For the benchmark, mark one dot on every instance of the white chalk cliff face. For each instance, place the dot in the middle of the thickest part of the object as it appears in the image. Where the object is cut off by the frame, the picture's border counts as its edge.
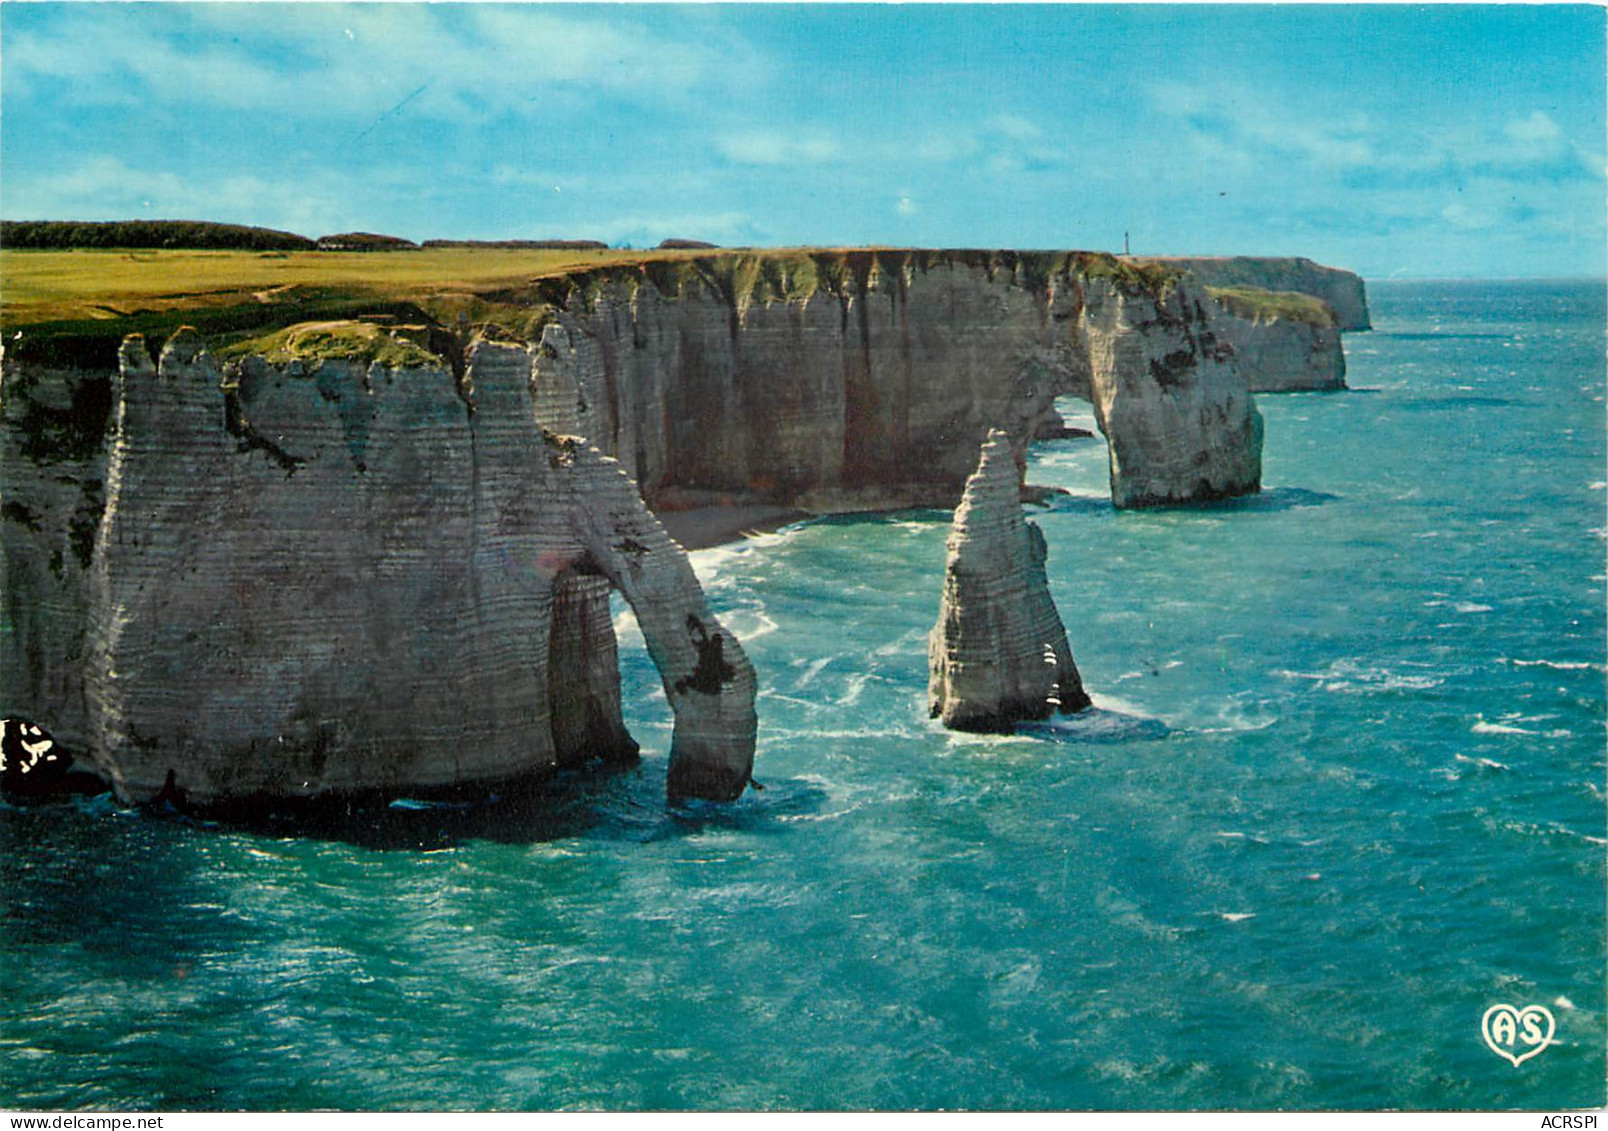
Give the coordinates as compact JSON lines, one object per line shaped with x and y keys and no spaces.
{"x":1284,"y":355}
{"x":1174,"y":407}
{"x":369,"y":584}
{"x":863,"y":381}
{"x":52,"y":486}
{"x":998,"y":654}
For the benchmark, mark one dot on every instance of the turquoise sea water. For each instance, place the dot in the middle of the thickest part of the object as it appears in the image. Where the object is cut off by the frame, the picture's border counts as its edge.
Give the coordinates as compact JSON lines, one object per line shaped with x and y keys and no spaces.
{"x":1346,"y":793}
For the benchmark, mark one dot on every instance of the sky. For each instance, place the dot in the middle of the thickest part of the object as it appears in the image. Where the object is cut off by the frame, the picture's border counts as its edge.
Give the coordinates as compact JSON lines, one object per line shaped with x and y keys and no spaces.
{"x":1447,"y":141}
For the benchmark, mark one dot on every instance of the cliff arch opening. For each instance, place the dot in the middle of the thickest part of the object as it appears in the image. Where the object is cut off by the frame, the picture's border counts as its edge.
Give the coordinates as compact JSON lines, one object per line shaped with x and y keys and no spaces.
{"x":583,"y":672}
{"x":644,"y":704}
{"x":1068,"y":452}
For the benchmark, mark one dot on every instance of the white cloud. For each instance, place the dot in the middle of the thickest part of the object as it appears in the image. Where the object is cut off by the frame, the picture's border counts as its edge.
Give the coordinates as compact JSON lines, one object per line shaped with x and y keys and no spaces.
{"x":1460,"y":215}
{"x":905,"y":206}
{"x":1005,"y":144}
{"x":1226,"y":120}
{"x":1538,"y":127}
{"x":362,"y":59}
{"x":1013,"y":127}
{"x":1245,"y":134}
{"x":770,"y":147}
{"x":107,"y":188}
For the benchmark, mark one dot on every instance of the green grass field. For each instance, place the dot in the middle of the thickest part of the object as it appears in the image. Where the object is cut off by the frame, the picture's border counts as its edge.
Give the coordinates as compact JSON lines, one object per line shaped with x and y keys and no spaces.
{"x":57,"y":286}
{"x":1254,"y":302}
{"x":72,"y":307}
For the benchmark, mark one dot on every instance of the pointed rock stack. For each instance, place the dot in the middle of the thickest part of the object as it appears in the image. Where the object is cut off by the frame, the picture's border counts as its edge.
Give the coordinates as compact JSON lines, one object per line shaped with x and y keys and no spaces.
{"x":998,"y":654}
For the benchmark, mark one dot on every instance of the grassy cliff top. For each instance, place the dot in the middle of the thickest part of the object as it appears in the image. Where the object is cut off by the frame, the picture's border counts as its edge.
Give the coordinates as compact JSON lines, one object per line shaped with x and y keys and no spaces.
{"x":72,"y":307}
{"x":1268,"y":306}
{"x":400,"y":347}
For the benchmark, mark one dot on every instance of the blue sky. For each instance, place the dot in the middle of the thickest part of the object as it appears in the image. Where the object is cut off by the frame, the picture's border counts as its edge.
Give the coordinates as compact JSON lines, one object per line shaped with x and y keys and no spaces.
{"x":1441,"y":141}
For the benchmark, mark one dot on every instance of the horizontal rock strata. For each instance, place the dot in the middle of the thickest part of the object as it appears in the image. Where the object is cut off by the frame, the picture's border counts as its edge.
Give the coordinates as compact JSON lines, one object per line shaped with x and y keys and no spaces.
{"x":347,"y":578}
{"x":998,"y":654}
{"x":1281,"y":353}
{"x":865,"y":380}
{"x":1174,"y":408}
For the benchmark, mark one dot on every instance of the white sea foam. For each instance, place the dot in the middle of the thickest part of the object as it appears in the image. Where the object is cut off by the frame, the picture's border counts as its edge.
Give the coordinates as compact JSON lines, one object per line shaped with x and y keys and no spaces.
{"x":710,"y":563}
{"x":914,"y":641}
{"x":1238,"y":722}
{"x":1557,"y":665}
{"x":1562,"y":1002}
{"x":1236,"y":916}
{"x":1118,"y":705}
{"x":814,"y":669}
{"x":1484,"y":763}
{"x":1459,"y":606}
{"x":1483,"y":727}
{"x":791,"y":818}
{"x":626,"y":629}
{"x":856,"y":688}
{"x":770,"y":693}
{"x":1351,"y":677}
{"x":748,"y":624}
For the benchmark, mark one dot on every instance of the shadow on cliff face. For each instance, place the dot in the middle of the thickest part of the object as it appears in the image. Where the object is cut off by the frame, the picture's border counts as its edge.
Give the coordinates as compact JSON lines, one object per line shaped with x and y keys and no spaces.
{"x":597,"y":802}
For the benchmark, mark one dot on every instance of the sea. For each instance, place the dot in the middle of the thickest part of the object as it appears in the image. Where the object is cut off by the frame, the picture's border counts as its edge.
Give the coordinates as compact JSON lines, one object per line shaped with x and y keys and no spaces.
{"x":1343,"y":792}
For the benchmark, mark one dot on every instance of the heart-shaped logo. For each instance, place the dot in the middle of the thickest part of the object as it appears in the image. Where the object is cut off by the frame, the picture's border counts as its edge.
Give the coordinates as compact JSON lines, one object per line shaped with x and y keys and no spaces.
{"x":1507,"y":1029}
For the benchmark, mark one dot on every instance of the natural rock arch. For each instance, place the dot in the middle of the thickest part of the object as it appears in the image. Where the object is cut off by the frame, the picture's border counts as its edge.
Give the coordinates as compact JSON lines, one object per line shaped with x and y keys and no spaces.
{"x":298,"y":610}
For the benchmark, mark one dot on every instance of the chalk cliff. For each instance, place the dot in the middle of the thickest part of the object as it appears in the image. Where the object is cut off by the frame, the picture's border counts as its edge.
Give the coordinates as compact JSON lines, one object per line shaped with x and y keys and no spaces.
{"x":998,"y":654}
{"x":314,"y":580}
{"x":1175,"y":410}
{"x":1284,"y":343}
{"x":52,"y":492}
{"x":300,"y":575}
{"x":1342,"y":290}
{"x":864,"y":380}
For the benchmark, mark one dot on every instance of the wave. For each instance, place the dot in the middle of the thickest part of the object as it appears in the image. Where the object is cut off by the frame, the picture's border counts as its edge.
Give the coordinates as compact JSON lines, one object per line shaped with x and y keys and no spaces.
{"x":1557,"y":665}
{"x":1483,"y":727}
{"x":1352,"y":677}
{"x":1110,"y":719}
{"x":814,"y":669}
{"x":748,"y":624}
{"x":711,"y":563}
{"x":1459,"y":606}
